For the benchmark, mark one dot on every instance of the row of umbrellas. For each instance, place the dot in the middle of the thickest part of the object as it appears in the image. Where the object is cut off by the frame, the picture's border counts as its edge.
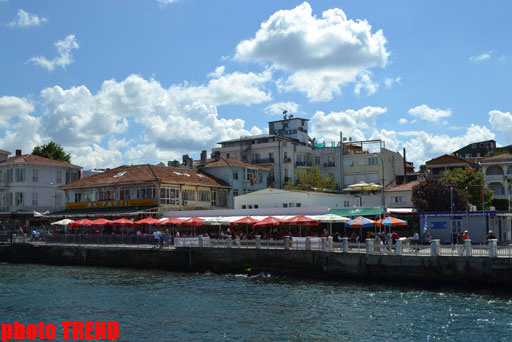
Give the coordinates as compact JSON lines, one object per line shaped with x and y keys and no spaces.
{"x":359,"y":222}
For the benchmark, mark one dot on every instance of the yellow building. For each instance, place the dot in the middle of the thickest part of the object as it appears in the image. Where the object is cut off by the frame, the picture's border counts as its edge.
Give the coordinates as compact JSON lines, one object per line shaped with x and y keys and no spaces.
{"x":132,"y":189}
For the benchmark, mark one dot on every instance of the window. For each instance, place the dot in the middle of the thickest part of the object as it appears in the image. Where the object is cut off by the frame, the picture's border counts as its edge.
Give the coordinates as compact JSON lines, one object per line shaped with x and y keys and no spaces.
{"x":9,"y":199}
{"x":125,"y":194}
{"x":213,"y":197}
{"x":20,"y":174}
{"x":397,"y":199}
{"x":348,"y":162}
{"x":169,"y":194}
{"x":317,"y":160}
{"x":271,"y":156}
{"x":373,"y":161}
{"x":10,"y":174}
{"x":361,"y":178}
{"x":252,"y":176}
{"x":373,"y":177}
{"x":244,"y":206}
{"x":1,"y":176}
{"x":18,"y":198}
{"x":473,"y":145}
{"x":346,"y":204}
{"x":235,"y":192}
{"x":72,"y":176}
{"x":203,"y":196}
{"x":149,"y":192}
{"x":34,"y":198}
{"x":188,"y":195}
{"x":468,"y":155}
{"x":349,"y":179}
{"x":291,"y":205}
{"x":361,"y":161}
{"x":35,"y":175}
{"x":223,"y":198}
{"x":59,"y":177}
{"x":256,"y":206}
{"x":298,"y":205}
{"x":285,"y":205}
{"x":250,"y":206}
{"x":235,"y":174}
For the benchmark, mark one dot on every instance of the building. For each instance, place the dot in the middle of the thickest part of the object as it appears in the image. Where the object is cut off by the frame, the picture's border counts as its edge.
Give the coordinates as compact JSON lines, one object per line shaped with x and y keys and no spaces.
{"x":497,"y":172}
{"x":288,"y":149}
{"x":30,"y":184}
{"x":242,"y":177}
{"x":475,"y":152}
{"x":400,"y":196}
{"x":128,"y":190}
{"x":438,"y":166}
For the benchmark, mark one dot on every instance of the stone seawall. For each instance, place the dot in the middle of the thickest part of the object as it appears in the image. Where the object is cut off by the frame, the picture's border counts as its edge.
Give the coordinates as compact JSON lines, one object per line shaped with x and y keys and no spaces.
{"x":460,"y":271}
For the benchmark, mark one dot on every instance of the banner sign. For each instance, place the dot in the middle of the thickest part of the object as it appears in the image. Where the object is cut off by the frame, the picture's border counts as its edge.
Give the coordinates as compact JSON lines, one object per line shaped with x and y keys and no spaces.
{"x":111,"y":204}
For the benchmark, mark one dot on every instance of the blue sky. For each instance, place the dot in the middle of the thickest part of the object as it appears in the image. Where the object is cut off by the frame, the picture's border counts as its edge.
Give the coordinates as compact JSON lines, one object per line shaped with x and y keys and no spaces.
{"x":126,"y":82}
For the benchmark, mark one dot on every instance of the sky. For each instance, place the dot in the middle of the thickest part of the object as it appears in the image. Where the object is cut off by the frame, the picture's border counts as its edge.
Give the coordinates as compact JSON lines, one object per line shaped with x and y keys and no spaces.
{"x":123,"y":82}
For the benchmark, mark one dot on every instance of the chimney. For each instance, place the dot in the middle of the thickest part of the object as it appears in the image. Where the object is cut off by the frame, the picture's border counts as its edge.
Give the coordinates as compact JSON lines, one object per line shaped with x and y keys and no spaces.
{"x":184,"y":158}
{"x":18,"y":153}
{"x":216,"y":155}
{"x":203,"y":157}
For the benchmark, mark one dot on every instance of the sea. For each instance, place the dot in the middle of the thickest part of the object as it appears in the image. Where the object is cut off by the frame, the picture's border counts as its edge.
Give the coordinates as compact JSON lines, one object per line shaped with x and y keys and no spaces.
{"x":151,"y":305}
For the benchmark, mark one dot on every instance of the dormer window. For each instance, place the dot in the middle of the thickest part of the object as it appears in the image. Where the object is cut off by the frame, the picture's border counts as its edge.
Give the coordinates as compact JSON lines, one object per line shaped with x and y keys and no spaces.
{"x":120,"y":174}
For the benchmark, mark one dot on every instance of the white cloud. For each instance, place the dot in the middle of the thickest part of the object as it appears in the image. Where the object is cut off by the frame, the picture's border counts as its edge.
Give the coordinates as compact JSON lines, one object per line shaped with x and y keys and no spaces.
{"x":426,"y":113}
{"x":11,"y":107}
{"x":64,"y":48}
{"x":481,"y":58}
{"x":389,"y":82}
{"x":279,"y":107}
{"x":25,"y":19}
{"x":365,"y":82}
{"x":353,"y":123}
{"x":23,"y":134}
{"x":403,"y":121}
{"x":502,"y":122}
{"x":389,"y":137}
{"x":321,"y":54}
{"x":164,"y":3}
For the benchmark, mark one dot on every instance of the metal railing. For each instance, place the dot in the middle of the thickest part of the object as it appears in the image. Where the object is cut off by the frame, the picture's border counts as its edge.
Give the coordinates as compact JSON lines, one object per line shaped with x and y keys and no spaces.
{"x":402,"y":247}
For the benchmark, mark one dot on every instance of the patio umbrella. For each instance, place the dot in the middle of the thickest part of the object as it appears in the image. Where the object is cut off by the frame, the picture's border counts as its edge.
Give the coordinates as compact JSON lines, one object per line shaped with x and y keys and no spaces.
{"x":301,"y":220}
{"x":63,"y":222}
{"x":391,"y":222}
{"x":171,"y":221}
{"x":247,"y":220}
{"x":100,"y":222}
{"x":121,"y":222}
{"x":147,"y":220}
{"x":268,"y":221}
{"x":360,"y":222}
{"x":330,"y":218}
{"x":82,"y":222}
{"x":194,"y":222}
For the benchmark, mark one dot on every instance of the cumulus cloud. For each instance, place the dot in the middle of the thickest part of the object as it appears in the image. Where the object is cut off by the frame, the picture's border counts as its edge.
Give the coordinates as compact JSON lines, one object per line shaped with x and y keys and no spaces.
{"x":11,"y":107}
{"x":366,"y":83}
{"x":320,"y":54}
{"x":481,"y":58}
{"x":426,"y":113}
{"x":64,"y":58}
{"x":389,"y":82}
{"x":502,"y":122}
{"x":403,"y":121}
{"x":24,"y":133}
{"x":24,"y":19}
{"x":279,"y":107}
{"x":353,"y":123}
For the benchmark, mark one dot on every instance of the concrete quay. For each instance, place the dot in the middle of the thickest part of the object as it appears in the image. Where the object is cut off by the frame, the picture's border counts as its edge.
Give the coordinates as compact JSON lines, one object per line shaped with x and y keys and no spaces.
{"x":460,"y":271}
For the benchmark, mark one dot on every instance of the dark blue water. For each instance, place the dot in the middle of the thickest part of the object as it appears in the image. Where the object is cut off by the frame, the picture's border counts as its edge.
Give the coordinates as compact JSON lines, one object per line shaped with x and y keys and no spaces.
{"x":164,"y":306}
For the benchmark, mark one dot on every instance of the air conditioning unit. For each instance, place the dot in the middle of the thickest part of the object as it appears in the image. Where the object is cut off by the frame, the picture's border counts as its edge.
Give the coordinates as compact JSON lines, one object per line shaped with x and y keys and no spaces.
{"x":185,"y":202}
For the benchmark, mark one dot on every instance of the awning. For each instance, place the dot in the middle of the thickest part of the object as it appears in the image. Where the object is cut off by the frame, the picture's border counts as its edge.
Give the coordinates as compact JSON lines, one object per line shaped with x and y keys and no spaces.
{"x":357,"y":211}
{"x":401,"y":210}
{"x":119,"y":211}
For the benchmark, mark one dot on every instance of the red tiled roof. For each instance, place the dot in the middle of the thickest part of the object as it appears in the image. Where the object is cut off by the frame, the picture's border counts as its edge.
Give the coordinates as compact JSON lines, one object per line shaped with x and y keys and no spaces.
{"x":30,"y":158}
{"x":446,"y":159}
{"x":230,"y":162}
{"x":500,"y":158}
{"x":404,"y":187}
{"x":147,"y":173}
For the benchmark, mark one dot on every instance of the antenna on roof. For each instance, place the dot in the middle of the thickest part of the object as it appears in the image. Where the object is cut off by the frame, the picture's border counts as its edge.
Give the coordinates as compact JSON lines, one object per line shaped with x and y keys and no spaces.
{"x":284,"y":114}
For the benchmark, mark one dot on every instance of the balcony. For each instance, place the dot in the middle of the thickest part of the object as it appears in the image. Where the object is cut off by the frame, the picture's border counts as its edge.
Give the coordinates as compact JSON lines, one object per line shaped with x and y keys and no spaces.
{"x":303,"y":163}
{"x":490,"y":178}
{"x":329,"y":164}
{"x":287,"y":159}
{"x":263,"y":161}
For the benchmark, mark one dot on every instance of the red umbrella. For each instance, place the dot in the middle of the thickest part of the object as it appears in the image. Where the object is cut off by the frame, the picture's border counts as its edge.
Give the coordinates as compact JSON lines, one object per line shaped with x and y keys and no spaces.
{"x":268,"y":221}
{"x":121,"y":222}
{"x":193,"y":221}
{"x":147,"y":220}
{"x":171,"y":220}
{"x":100,"y":222}
{"x":82,"y":222}
{"x":245,"y":220}
{"x":302,"y":220}
{"x":390,"y":222}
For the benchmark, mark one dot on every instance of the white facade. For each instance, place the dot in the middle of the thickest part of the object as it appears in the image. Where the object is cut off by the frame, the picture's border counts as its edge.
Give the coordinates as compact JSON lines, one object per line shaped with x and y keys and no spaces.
{"x":277,"y":198}
{"x":497,"y":174}
{"x":30,"y":184}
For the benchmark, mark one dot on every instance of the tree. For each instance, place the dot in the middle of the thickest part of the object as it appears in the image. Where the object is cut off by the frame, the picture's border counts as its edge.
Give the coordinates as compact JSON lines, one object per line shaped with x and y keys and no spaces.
{"x":435,"y":195}
{"x":52,"y":151}
{"x":470,"y":182}
{"x":312,"y":180}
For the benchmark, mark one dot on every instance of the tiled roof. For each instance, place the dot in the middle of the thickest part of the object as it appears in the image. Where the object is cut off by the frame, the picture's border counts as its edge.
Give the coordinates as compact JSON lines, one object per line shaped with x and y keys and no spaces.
{"x":147,"y":173}
{"x":4,"y":152}
{"x":446,"y":159}
{"x":230,"y":162}
{"x":500,"y":158}
{"x":404,"y":187}
{"x":30,"y":158}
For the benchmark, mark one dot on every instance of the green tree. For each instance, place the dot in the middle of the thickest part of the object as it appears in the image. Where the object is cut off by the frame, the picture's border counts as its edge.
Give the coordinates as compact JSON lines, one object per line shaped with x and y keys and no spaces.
{"x":470,"y":182}
{"x":312,"y":180}
{"x":52,"y":151}
{"x":435,"y":195}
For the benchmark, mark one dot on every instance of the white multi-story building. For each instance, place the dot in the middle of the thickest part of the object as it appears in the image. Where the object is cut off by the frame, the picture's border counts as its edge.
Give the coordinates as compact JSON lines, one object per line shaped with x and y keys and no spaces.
{"x":288,"y":149}
{"x":497,"y":172}
{"x":29,"y":183}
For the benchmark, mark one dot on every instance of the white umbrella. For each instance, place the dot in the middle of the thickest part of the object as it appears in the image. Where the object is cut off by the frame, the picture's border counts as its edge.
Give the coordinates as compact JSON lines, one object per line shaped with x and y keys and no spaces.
{"x":330,"y":218}
{"x":63,"y":222}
